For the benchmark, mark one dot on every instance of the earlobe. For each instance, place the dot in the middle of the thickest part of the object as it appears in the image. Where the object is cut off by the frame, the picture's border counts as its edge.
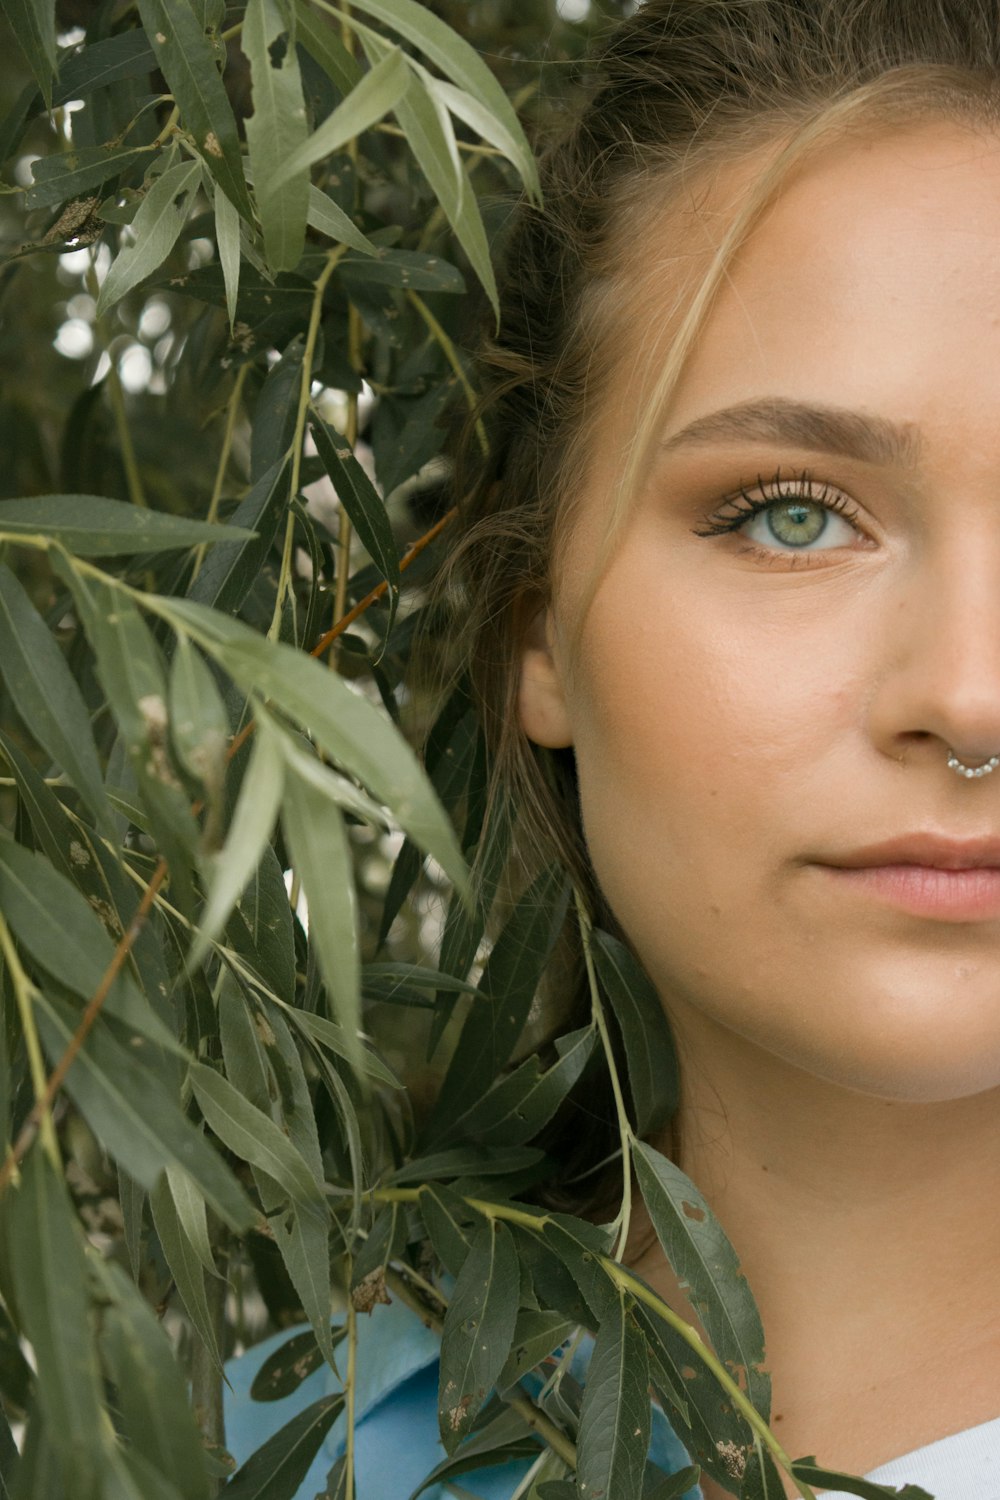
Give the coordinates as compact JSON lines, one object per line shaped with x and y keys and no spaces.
{"x":542,"y":707}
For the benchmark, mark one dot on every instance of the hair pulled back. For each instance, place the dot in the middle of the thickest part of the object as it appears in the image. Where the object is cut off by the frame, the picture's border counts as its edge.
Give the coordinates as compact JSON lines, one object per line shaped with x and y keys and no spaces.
{"x":679,"y":89}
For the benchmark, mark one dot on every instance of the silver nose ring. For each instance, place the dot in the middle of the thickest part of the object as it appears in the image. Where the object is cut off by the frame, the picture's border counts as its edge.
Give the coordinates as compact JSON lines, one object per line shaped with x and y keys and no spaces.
{"x":954,"y":764}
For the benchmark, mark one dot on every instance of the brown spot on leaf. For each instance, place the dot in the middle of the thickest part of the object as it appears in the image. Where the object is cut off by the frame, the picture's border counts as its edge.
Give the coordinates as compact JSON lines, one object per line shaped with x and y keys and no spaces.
{"x":370,"y":1291}
{"x":212,"y":144}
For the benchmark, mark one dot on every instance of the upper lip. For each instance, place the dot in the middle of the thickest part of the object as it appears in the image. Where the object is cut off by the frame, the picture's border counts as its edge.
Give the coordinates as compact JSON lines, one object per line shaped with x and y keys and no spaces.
{"x":930,"y":849}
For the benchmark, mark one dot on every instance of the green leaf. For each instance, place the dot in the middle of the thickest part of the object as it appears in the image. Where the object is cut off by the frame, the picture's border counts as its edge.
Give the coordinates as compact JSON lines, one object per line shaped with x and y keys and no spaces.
{"x":157,"y":226}
{"x":303,"y":1239}
{"x":431,"y":137}
{"x":187,"y":60}
{"x":46,"y":696}
{"x":227,"y":239}
{"x":71,"y":174}
{"x":468,"y":1161}
{"x":507,"y":1437}
{"x":808,"y":1470}
{"x":478,"y":1330}
{"x":514,"y":1110}
{"x":346,"y":726}
{"x":697,"y":1248}
{"x":458,"y":61}
{"x":675,"y":1485}
{"x":480,"y":118}
{"x":315,"y":33}
{"x":760,"y":1479}
{"x":278,"y":1468}
{"x":364,"y":505}
{"x":192,"y":1216}
{"x":253,"y":820}
{"x":615,"y":1415}
{"x":134,"y":1116}
{"x":56,"y":925}
{"x":49,"y":1273}
{"x":199,"y":726}
{"x":185,"y":1265}
{"x":99,"y":64}
{"x":536,"y":1336}
{"x":254,"y":1137}
{"x":92,"y":526}
{"x":402,"y":268}
{"x":230,"y":569}
{"x":285,"y":1369}
{"x":152,"y":1392}
{"x":328,"y":1034}
{"x":447,"y":1220}
{"x":651,"y":1064}
{"x":275,"y":130}
{"x":330,"y":219}
{"x":368,"y":102}
{"x":33,"y":23}
{"x":321,"y":858}
{"x":508,"y":986}
{"x":275,"y":411}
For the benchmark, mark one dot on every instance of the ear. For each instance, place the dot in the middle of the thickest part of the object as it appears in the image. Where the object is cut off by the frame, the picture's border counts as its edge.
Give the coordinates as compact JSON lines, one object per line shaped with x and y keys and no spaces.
{"x":543,"y":710}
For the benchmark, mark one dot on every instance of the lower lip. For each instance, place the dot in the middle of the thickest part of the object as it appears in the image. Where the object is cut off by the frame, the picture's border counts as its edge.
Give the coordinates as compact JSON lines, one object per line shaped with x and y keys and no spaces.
{"x":926,"y":891}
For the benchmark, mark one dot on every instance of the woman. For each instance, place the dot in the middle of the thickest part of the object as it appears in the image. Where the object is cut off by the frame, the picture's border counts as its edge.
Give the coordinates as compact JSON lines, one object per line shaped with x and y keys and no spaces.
{"x":736,"y":569}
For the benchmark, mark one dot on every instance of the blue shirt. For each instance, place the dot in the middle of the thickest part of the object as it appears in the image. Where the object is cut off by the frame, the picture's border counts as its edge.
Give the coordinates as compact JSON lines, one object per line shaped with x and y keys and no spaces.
{"x":396,"y":1423}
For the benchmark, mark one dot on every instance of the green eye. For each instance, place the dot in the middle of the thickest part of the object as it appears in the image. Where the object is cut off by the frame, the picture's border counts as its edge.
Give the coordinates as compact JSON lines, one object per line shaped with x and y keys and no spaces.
{"x":796,"y":523}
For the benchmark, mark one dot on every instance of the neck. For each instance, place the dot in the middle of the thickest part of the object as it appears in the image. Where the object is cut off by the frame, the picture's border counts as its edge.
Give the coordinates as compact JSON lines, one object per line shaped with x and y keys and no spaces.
{"x":869,"y":1231}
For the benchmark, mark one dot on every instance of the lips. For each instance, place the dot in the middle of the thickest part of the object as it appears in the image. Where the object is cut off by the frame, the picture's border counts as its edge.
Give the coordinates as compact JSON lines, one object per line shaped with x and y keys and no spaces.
{"x":925,"y":875}
{"x":928,"y":849}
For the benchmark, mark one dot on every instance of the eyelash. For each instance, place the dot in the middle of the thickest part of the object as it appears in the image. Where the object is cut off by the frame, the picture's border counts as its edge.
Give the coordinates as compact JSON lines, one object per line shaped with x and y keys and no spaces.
{"x":738,"y":509}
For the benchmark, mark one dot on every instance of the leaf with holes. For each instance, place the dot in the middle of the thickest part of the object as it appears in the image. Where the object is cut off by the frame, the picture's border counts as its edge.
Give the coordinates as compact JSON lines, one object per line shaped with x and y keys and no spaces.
{"x":478,"y":1330}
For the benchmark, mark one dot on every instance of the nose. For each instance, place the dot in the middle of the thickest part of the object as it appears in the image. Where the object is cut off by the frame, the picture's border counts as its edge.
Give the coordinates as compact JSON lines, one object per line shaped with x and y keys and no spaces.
{"x":939,"y":688}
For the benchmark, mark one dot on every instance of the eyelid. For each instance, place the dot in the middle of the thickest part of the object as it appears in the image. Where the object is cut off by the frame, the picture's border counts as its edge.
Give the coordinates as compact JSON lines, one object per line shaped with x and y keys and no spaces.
{"x":736,"y":509}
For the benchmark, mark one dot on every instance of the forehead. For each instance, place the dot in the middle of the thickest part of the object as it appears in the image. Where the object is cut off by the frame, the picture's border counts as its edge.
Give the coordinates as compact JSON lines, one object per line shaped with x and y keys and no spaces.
{"x":875,"y":273}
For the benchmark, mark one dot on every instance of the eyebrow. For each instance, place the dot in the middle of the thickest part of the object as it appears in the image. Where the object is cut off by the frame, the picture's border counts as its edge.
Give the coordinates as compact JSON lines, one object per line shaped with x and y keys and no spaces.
{"x":827,"y":429}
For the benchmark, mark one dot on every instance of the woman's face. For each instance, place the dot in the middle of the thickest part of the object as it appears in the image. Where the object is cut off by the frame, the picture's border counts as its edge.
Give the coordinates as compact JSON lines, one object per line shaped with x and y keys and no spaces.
{"x":762,"y":712}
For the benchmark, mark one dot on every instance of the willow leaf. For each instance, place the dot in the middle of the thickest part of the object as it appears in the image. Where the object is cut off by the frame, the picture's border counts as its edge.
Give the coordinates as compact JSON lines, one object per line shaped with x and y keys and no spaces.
{"x":157,"y":227}
{"x":478,"y":1330}
{"x":187,"y":60}
{"x":702,"y":1256}
{"x":46,"y":696}
{"x":615,"y":1414}
{"x":274,"y":131}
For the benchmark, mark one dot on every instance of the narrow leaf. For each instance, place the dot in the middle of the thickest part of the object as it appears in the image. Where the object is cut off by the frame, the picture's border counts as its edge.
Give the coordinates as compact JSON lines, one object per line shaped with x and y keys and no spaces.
{"x":321,"y":858}
{"x":651,"y":1064}
{"x":92,"y":526}
{"x":364,"y":505}
{"x":330,"y":219}
{"x":227,"y":238}
{"x":808,"y":1470}
{"x":50,"y":1277}
{"x":134,"y":1116}
{"x":254,"y":1137}
{"x":277,"y":1469}
{"x":284,"y":1370}
{"x":70,"y":174}
{"x":33,"y":23}
{"x":345,"y":725}
{"x":615,"y":1415}
{"x":378,"y":92}
{"x":478,"y":1330}
{"x":187,"y":60}
{"x":515,"y":1109}
{"x":185,"y":1266}
{"x":152,"y":1392}
{"x":156,"y":227}
{"x":699,"y":1251}
{"x":253,"y":820}
{"x":508,"y":986}
{"x":46,"y":696}
{"x":230,"y":570}
{"x":458,"y":61}
{"x":321,"y":41}
{"x":275,"y":130}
